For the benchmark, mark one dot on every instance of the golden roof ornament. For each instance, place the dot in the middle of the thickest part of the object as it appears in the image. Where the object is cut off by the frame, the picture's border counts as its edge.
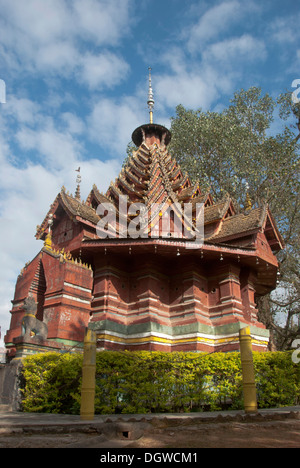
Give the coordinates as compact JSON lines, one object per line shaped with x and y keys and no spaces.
{"x":248,"y":203}
{"x":48,"y":239}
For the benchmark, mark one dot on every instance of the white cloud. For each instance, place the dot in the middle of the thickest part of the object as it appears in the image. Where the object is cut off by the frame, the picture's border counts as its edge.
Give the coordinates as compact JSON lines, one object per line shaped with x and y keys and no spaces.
{"x":30,"y":30}
{"x":98,"y":172}
{"x":105,"y":69}
{"x":102,"y":21}
{"x":232,"y":51}
{"x":56,"y":149}
{"x":175,"y":59}
{"x":60,"y":56}
{"x":58,"y":36}
{"x":23,"y":110}
{"x":189,"y":89}
{"x":39,"y":22}
{"x":213,"y":22}
{"x":34,"y":21}
{"x":74,"y":124}
{"x":192,"y":83}
{"x":214,"y":34}
{"x":111,"y":122}
{"x":53,"y":142}
{"x":285,"y":30}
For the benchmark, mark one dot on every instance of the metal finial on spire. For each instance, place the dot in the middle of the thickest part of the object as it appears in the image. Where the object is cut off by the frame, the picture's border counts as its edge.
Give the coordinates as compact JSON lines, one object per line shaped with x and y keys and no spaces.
{"x":150,"y":101}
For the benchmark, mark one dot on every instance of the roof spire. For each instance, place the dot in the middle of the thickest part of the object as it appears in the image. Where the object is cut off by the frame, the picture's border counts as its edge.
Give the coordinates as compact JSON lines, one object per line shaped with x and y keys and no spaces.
{"x":78,"y":181}
{"x":151,"y":133}
{"x":248,"y":203}
{"x":150,"y":101}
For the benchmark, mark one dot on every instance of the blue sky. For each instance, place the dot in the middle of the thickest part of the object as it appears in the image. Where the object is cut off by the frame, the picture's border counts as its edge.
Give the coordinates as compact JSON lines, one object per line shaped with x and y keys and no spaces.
{"x":76,"y":87}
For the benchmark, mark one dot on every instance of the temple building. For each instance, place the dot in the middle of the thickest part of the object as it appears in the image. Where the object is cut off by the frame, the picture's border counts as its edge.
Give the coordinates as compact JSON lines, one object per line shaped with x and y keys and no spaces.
{"x":154,"y":263}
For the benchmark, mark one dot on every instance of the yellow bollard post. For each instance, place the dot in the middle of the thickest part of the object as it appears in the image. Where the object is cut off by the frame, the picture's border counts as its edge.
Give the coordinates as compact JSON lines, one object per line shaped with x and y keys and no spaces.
{"x":87,"y":407}
{"x":249,"y":389}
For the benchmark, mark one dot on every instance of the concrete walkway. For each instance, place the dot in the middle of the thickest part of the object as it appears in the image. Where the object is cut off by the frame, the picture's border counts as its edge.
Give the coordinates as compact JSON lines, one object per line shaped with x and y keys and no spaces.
{"x":17,"y":422}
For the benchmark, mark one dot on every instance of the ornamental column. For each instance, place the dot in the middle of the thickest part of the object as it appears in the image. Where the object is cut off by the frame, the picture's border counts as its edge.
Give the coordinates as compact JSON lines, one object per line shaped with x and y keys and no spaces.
{"x":230,"y":292}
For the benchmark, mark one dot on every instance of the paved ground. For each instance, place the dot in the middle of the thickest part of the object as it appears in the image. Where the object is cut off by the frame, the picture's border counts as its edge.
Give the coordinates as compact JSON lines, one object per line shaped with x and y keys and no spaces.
{"x":268,"y":428}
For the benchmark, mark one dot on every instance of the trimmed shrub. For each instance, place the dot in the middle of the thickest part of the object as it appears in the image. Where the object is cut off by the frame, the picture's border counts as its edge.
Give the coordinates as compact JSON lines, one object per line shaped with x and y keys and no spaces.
{"x":277,"y":379}
{"x":51,"y":382}
{"x":144,"y":382}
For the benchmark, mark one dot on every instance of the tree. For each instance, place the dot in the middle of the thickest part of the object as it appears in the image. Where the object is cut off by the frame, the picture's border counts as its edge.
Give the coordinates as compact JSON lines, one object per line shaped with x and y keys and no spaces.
{"x":237,"y":148}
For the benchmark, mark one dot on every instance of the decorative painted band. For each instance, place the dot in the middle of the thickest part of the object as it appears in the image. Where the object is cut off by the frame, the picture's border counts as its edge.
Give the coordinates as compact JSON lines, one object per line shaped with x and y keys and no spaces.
{"x":170,"y":341}
{"x":138,"y":334}
{"x":194,"y":327}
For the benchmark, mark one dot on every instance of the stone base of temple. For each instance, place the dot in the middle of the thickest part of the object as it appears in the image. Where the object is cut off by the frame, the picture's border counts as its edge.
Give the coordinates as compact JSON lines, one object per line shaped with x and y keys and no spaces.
{"x":22,"y":348}
{"x":194,"y":337}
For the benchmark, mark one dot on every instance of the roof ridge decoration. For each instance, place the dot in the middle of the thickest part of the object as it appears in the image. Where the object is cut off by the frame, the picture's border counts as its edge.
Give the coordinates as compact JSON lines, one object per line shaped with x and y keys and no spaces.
{"x":264,"y":212}
{"x":78,"y":182}
{"x":65,"y":256}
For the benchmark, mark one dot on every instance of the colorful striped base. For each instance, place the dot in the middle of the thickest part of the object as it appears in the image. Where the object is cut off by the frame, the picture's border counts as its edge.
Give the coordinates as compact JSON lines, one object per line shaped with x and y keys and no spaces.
{"x":193,"y":337}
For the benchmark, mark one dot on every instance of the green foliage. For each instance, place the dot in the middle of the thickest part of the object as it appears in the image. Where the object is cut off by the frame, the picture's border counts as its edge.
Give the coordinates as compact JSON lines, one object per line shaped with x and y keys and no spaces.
{"x":249,"y":144}
{"x":50,"y":383}
{"x":144,"y":382}
{"x":227,"y":149}
{"x":277,"y":379}
{"x":223,"y":380}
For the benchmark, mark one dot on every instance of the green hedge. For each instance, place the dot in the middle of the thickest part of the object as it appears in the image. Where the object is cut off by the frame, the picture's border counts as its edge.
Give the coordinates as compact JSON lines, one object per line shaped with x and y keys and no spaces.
{"x":143,"y":382}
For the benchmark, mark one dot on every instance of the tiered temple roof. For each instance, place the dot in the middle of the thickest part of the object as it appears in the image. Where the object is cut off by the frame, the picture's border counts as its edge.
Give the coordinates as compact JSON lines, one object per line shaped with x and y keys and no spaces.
{"x":152,"y":176}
